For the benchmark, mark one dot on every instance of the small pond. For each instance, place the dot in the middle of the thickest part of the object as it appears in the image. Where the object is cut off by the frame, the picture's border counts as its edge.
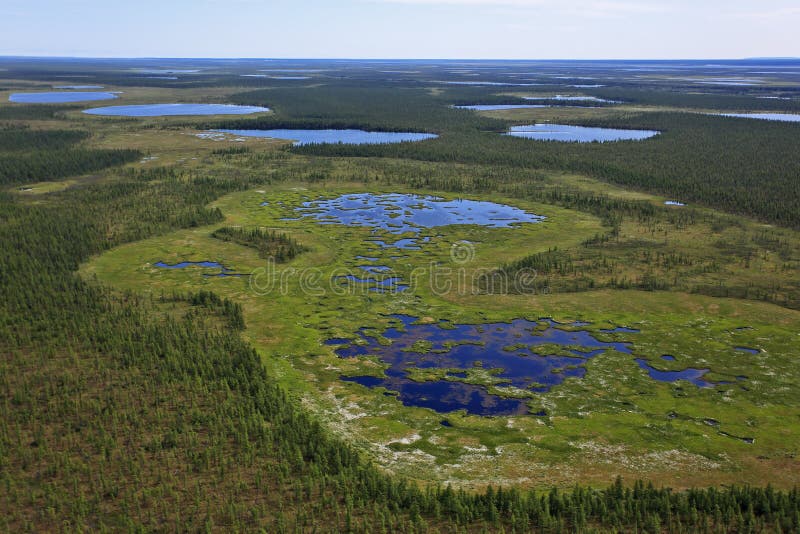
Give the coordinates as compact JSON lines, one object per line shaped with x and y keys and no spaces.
{"x":449,"y":367}
{"x":400,"y":213}
{"x":163,"y":110}
{"x":77,"y":87}
{"x":695,"y":376}
{"x":350,"y":137}
{"x":61,"y":97}
{"x":224,"y":271}
{"x":579,"y":134}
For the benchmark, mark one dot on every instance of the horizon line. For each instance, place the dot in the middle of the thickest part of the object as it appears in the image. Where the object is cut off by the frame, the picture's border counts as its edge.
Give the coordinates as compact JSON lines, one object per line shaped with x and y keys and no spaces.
{"x":256,"y":58}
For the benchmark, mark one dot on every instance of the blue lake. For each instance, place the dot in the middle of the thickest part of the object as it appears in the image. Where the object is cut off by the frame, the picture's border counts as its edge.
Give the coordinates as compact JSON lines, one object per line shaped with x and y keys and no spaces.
{"x":579,"y":134}
{"x":476,"y":82}
{"x":400,"y":213}
{"x":60,"y":98}
{"x":748,"y":350}
{"x":168,"y":71}
{"x":568,"y":98}
{"x":162,"y":110}
{"x":695,"y":376}
{"x":782,"y":117}
{"x":528,"y":355}
{"x":77,"y":87}
{"x":350,"y":137}
{"x":499,"y":107}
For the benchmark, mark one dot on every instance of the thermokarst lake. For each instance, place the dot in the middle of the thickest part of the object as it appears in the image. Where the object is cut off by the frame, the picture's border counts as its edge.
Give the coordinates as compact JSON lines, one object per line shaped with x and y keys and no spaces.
{"x":570,"y":98}
{"x":484,"y":369}
{"x":500,"y":107}
{"x":350,"y":137}
{"x":398,"y":213}
{"x":60,"y":97}
{"x":782,"y":117}
{"x":578,"y":134}
{"x":164,"y":110}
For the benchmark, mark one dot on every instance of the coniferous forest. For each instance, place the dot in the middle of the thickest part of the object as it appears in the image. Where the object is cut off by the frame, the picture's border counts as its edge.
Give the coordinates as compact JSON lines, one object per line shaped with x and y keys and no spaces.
{"x":139,"y":408}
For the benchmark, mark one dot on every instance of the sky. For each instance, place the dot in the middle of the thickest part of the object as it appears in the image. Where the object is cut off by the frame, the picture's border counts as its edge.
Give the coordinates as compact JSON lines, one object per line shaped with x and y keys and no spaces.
{"x":475,"y":29}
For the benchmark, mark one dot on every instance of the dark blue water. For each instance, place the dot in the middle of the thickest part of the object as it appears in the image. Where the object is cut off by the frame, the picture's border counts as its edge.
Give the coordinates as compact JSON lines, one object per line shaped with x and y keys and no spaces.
{"x":164,"y":110}
{"x":350,"y":137}
{"x":60,"y":98}
{"x":224,"y":271}
{"x":77,"y":87}
{"x":748,"y":350}
{"x":400,"y":213}
{"x":184,"y":264}
{"x":515,"y":352}
{"x":579,"y":134}
{"x":668,"y":357}
{"x":620,"y":329}
{"x":695,"y":376}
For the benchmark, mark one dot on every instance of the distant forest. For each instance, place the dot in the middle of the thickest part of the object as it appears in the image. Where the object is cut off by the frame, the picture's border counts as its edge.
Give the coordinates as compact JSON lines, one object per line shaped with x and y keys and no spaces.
{"x":742,"y":166}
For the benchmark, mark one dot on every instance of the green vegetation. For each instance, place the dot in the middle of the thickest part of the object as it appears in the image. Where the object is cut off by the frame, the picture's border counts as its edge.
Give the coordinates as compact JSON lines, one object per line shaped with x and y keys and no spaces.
{"x":269,"y":243}
{"x":138,"y":398}
{"x":737,"y":165}
{"x":28,"y":155}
